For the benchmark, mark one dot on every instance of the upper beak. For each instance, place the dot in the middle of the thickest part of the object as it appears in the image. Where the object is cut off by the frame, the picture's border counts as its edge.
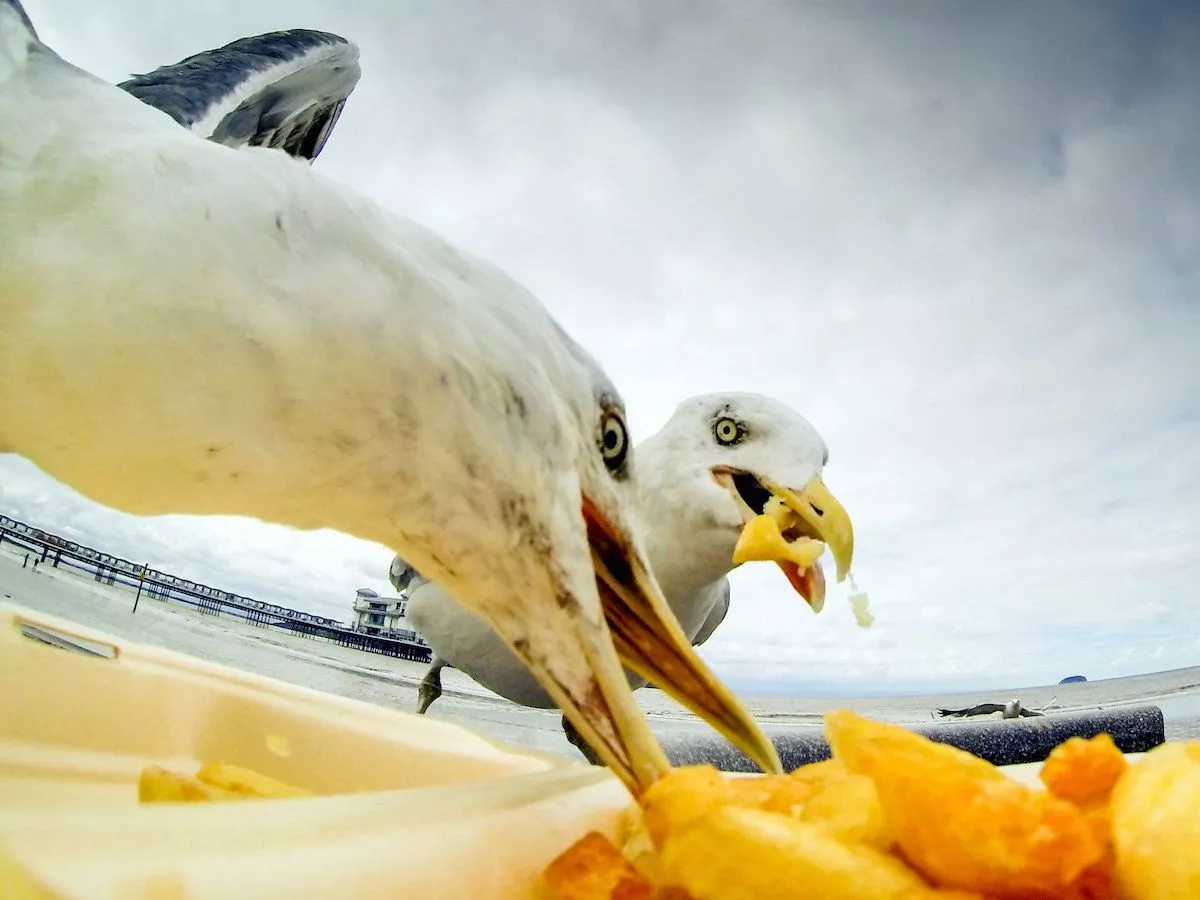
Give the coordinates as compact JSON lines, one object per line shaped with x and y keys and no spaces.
{"x":578,"y":656}
{"x":793,"y":532}
{"x":650,"y":642}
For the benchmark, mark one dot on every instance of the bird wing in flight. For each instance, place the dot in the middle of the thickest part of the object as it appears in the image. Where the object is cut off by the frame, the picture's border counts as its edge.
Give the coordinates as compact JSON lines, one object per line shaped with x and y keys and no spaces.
{"x":285,"y":90}
{"x":981,"y":710}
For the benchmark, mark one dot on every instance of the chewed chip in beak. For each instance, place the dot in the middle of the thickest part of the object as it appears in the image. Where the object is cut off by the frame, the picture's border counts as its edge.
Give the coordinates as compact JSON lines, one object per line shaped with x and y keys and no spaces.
{"x":762,"y":540}
{"x":793,"y":531}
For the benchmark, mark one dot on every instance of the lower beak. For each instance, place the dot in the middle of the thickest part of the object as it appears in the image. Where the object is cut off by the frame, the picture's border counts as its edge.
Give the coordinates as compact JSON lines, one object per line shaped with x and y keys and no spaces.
{"x":794,"y":532}
{"x":650,"y":642}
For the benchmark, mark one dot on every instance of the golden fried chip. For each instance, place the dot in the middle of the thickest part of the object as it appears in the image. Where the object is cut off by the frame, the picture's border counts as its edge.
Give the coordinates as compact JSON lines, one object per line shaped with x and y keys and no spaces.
{"x":756,"y":791}
{"x":826,"y":794}
{"x":593,"y":869}
{"x":672,"y":892}
{"x":820,"y":772}
{"x":747,"y":854}
{"x":1083,"y":770}
{"x":761,"y":540}
{"x":157,"y":785}
{"x":961,"y":821}
{"x":681,"y":796}
{"x":1156,"y":824}
{"x":214,"y":781}
{"x":848,"y":807}
{"x":247,"y":782}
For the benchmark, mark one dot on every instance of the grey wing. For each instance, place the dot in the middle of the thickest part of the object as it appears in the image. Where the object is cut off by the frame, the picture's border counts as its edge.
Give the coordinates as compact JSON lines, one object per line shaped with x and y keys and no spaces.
{"x":716,"y":616}
{"x":981,"y":709}
{"x":284,"y":90}
{"x":985,"y":708}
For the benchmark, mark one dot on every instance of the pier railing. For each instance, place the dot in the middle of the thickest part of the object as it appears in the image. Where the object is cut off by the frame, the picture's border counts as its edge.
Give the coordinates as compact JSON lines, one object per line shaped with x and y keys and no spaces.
{"x":58,"y":552}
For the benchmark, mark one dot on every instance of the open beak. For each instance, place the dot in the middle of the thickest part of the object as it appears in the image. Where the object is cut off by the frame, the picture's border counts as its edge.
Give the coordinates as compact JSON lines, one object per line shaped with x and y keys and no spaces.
{"x":650,"y":642}
{"x":792,"y":528}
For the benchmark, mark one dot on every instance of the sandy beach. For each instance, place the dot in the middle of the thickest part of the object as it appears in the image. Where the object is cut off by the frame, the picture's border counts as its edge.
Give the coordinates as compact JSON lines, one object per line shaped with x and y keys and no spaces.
{"x":393,"y":683}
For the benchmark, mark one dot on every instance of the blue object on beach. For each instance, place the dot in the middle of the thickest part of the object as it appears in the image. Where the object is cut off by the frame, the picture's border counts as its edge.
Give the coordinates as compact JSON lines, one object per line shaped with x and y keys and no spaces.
{"x":1071,"y":679}
{"x":1002,"y":742}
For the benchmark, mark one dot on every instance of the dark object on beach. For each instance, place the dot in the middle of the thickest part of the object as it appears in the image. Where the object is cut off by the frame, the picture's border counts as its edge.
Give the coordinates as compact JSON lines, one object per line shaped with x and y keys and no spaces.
{"x":1002,"y":742}
{"x":1010,"y":710}
{"x":1072,"y":679}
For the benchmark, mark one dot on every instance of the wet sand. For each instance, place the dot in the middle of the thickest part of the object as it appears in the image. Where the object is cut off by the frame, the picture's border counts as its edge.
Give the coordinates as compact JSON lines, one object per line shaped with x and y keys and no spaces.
{"x":393,"y":683}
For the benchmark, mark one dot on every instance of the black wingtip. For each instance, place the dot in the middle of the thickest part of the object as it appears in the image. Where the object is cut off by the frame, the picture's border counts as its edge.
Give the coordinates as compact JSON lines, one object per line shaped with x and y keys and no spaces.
{"x":170,"y":88}
{"x":293,"y":112}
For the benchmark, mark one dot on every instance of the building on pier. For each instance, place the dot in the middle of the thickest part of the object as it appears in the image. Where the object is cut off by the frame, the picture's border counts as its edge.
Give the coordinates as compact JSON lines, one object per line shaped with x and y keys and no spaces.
{"x":386,"y":616}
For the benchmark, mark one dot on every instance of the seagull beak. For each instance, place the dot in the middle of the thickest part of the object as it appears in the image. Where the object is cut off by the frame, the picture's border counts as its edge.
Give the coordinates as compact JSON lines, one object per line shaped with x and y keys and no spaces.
{"x":793,"y":529}
{"x":650,"y":642}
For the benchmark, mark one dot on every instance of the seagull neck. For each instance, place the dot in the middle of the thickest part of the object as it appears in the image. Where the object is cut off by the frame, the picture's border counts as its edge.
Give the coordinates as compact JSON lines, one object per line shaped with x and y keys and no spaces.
{"x":688,"y":552}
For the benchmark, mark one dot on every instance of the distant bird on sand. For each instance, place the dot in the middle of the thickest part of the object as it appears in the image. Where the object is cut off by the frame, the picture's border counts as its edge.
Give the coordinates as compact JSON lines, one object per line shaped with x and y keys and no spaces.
{"x":713,"y":467}
{"x":1010,"y":710}
{"x":192,"y":328}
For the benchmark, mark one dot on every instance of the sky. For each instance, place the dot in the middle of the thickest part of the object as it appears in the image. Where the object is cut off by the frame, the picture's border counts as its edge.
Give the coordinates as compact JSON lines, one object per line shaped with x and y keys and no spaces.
{"x":963,"y":240}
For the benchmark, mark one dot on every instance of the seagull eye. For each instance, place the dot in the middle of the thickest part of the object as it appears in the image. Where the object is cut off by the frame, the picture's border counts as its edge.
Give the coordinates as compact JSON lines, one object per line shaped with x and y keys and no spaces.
{"x":727,"y":431}
{"x":614,"y":440}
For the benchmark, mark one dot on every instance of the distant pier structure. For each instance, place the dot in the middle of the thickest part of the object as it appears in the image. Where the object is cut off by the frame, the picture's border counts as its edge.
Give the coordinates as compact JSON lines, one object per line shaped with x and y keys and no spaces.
{"x":148,"y":584}
{"x":387,"y":616}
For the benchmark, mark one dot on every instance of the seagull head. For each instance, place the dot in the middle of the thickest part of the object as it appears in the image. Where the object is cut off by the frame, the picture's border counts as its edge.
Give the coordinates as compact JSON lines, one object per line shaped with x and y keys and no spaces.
{"x":728,"y":458}
{"x":530,"y":523}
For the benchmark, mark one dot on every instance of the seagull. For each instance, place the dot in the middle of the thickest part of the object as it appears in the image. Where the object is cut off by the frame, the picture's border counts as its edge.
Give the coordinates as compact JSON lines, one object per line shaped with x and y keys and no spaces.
{"x":191,"y":328}
{"x":1010,"y":710}
{"x":711,"y":469}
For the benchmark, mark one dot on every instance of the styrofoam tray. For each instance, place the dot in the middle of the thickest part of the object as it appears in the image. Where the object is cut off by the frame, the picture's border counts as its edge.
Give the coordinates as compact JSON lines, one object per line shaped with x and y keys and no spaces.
{"x":412,"y":807}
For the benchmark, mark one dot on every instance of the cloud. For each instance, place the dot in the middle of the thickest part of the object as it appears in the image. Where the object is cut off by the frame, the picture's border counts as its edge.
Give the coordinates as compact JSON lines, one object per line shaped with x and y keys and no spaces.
{"x":965,"y":245}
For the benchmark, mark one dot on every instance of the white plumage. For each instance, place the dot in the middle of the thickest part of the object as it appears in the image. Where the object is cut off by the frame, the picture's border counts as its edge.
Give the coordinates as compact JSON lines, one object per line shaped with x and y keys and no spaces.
{"x":691,"y":520}
{"x":190,"y":328}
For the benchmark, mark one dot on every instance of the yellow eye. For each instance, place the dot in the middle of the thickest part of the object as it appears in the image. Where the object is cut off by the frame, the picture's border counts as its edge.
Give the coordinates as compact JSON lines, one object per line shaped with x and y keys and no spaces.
{"x":614,"y":440}
{"x":727,"y":431}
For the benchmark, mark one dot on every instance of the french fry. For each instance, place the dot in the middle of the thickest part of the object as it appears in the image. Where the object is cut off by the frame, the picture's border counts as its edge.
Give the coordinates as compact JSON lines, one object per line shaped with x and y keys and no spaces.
{"x":962,"y":822}
{"x":157,"y":785}
{"x":731,"y":853}
{"x":214,"y":782}
{"x":247,"y":782}
{"x":1156,"y":824}
{"x":847,"y":806}
{"x":680,"y":797}
{"x":593,"y":869}
{"x":1084,"y":770}
{"x":762,"y":539}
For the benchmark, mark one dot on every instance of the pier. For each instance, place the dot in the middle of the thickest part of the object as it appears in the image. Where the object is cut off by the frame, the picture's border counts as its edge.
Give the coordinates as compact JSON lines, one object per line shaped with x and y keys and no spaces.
{"x":46,"y":549}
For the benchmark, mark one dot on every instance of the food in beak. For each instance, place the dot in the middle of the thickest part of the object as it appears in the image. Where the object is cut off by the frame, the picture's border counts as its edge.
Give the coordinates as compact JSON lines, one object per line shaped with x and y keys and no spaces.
{"x":650,"y":642}
{"x":793,"y":530}
{"x":762,"y":541}
{"x":860,"y":605}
